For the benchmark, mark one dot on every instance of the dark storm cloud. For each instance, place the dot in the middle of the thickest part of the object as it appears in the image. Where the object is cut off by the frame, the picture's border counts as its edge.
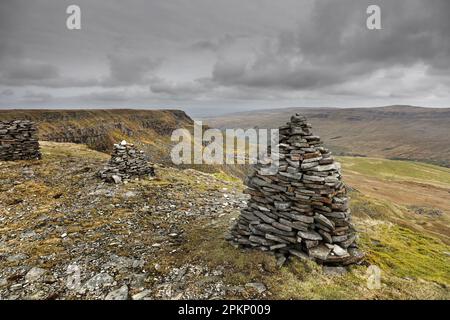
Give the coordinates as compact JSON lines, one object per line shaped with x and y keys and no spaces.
{"x":141,"y":51}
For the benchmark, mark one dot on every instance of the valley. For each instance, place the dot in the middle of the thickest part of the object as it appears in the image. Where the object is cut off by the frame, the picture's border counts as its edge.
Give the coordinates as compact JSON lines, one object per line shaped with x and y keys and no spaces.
{"x":393,"y":132}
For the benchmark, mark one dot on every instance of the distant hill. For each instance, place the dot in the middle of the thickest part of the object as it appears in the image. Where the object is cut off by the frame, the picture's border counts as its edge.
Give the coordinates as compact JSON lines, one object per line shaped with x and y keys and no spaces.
{"x":394,"y":132}
{"x":99,"y":129}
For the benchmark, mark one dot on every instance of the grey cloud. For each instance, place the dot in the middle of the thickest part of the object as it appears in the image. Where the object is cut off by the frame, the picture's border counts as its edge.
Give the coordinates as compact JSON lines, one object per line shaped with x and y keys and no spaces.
{"x":204,"y":45}
{"x":122,"y":71}
{"x":106,"y":96}
{"x":49,"y":78}
{"x":27,"y":70}
{"x":126,"y":70}
{"x":19,"y":71}
{"x":7,"y":92}
{"x":275,"y":72}
{"x":217,"y":43}
{"x":335,"y":46}
{"x":181,"y":89}
{"x":31,"y":96}
{"x":224,"y":51}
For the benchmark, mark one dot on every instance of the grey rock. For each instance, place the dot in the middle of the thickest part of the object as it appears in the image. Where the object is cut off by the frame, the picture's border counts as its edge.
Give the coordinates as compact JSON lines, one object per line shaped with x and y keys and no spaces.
{"x":258,"y":286}
{"x":313,"y":178}
{"x":141,"y":295}
{"x":100,"y":280}
{"x":320,"y":252}
{"x":119,"y":294}
{"x":324,"y":220}
{"x":17,"y":257}
{"x":334,"y":270}
{"x":299,"y":254}
{"x":309,"y":165}
{"x":35,"y":274}
{"x":117,"y":179}
{"x":339,"y":251}
{"x":3,"y":283}
{"x":281,"y":260}
{"x":282,"y":205}
{"x":309,"y":235}
{"x":129,"y":194}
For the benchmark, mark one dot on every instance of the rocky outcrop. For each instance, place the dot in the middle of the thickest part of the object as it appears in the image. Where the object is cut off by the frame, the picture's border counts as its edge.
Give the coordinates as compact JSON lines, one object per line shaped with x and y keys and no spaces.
{"x":302,"y":210}
{"x":96,"y":137}
{"x":18,"y":140}
{"x":126,"y":163}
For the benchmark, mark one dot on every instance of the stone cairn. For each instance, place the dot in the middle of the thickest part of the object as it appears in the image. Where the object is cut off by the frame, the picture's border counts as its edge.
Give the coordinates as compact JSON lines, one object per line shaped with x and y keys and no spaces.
{"x":18,"y":140}
{"x":126,"y":163}
{"x":302,"y":210}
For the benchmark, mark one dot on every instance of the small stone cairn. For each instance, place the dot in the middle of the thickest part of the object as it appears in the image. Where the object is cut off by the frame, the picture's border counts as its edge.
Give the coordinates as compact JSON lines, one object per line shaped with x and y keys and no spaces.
{"x":126,"y":163}
{"x":303,"y":209}
{"x":18,"y":140}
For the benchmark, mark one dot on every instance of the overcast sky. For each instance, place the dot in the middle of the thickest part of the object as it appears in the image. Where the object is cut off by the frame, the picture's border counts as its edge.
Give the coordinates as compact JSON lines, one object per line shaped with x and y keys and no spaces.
{"x":216,"y":56}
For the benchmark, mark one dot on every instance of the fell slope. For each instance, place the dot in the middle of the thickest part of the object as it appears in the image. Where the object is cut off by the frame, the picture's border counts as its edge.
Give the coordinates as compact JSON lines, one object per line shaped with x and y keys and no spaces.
{"x":395,"y":132}
{"x":164,"y":238}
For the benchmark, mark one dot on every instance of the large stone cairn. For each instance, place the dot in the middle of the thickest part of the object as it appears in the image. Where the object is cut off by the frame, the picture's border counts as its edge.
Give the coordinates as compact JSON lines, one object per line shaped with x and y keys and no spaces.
{"x":18,"y":140}
{"x":301,"y":210}
{"x":126,"y":163}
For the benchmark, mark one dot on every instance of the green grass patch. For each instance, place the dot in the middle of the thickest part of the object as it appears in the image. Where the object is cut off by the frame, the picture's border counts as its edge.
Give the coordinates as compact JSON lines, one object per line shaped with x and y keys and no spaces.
{"x":225,"y":177}
{"x":363,"y":206}
{"x":396,"y":169}
{"x":207,"y":244}
{"x":306,"y":280}
{"x":406,"y":253}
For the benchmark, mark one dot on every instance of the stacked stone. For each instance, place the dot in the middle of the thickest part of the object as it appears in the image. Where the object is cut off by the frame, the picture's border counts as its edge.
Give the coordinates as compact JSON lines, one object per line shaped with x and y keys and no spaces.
{"x":126,"y":163}
{"x":18,"y":140}
{"x":302,"y":209}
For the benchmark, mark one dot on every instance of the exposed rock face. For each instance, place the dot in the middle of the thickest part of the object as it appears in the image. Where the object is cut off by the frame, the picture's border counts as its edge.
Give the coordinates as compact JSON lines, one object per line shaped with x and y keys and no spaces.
{"x":126,"y":163}
{"x":303,"y":209}
{"x":18,"y":140}
{"x":97,"y":137}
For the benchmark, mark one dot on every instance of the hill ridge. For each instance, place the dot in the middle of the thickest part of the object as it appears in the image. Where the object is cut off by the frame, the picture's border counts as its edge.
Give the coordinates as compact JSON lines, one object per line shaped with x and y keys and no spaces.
{"x":393,"y":132}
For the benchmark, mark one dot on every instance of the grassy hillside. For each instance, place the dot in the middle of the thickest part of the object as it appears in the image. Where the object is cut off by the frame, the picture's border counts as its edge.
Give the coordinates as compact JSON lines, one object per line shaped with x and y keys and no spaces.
{"x":402,"y":132}
{"x":415,"y":194}
{"x":166,"y":235}
{"x":397,"y":170}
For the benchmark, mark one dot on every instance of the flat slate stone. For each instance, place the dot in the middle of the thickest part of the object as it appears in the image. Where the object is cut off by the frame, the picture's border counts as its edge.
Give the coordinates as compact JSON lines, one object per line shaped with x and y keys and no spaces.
{"x":320,"y":252}
{"x":319,"y":218}
{"x":309,"y":235}
{"x":299,"y":254}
